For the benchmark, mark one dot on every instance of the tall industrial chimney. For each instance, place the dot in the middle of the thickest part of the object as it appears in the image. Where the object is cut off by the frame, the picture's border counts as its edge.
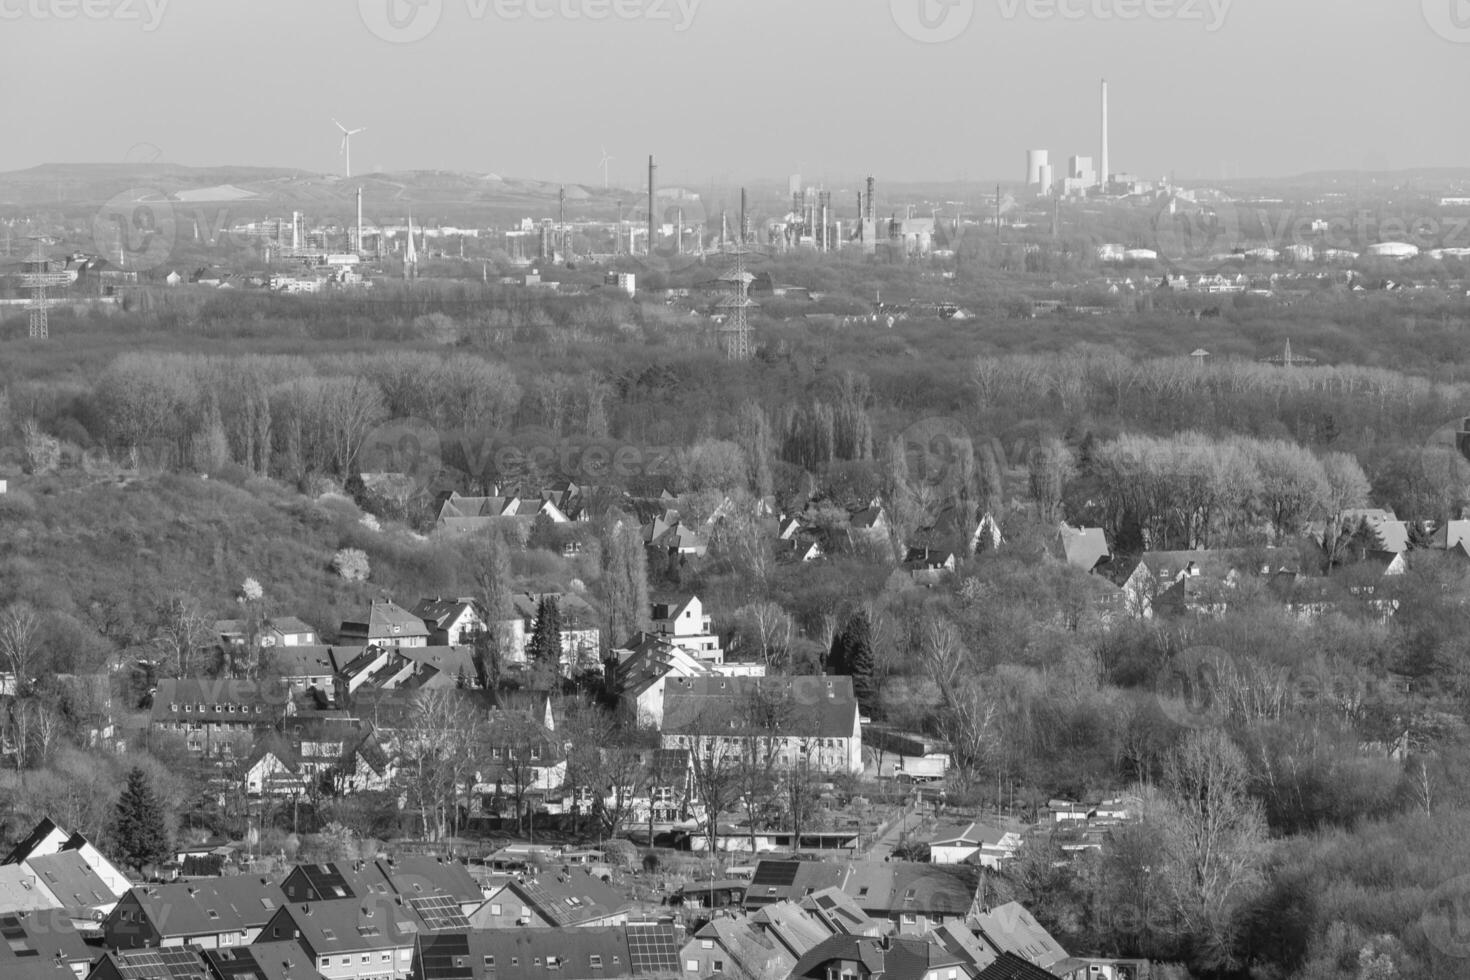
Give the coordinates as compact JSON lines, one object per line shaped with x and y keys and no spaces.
{"x":652,"y":203}
{"x":744,"y":228}
{"x":359,"y":221}
{"x":1104,"y":173}
{"x":872,"y":214}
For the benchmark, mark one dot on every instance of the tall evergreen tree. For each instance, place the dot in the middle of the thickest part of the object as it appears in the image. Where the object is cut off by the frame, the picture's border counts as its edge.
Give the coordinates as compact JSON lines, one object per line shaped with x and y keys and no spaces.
{"x":852,"y":655}
{"x":545,"y":648}
{"x":139,"y":828}
{"x":624,"y":584}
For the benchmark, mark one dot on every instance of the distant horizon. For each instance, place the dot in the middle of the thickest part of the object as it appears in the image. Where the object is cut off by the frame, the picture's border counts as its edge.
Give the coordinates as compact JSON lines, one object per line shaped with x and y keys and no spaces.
{"x":910,"y":90}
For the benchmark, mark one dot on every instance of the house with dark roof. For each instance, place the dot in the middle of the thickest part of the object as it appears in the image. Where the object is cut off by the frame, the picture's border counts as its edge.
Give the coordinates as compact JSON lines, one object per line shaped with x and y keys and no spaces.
{"x":800,"y":720}
{"x":175,"y":963}
{"x":471,"y":515}
{"x":277,"y":631}
{"x":909,"y":897}
{"x":210,"y":913}
{"x":302,"y":667}
{"x":730,"y":947}
{"x":451,"y":622}
{"x":215,"y":716}
{"x":45,"y":939}
{"x":639,"y":674}
{"x":1011,"y":929}
{"x":645,"y":952}
{"x":260,"y":961}
{"x":49,"y":838}
{"x":552,"y":900}
{"x":685,"y":624}
{"x":409,"y":878}
{"x":350,"y":937}
{"x":386,"y":624}
{"x":581,"y":638}
{"x":884,"y":958}
{"x":1200,"y":582}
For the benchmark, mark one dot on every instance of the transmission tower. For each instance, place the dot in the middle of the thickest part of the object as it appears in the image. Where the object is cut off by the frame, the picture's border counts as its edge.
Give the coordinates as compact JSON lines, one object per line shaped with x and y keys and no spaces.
{"x":35,"y":276}
{"x":735,"y":333}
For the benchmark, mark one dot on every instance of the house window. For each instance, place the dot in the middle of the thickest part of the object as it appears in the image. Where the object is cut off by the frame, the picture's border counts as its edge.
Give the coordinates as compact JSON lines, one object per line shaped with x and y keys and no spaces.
{"x":386,"y":957}
{"x":719,"y":966}
{"x":706,"y":944}
{"x":692,"y":966}
{"x":553,"y":963}
{"x":367,"y":958}
{"x":494,"y":908}
{"x":595,"y":961}
{"x":490,"y":961}
{"x":326,"y":963}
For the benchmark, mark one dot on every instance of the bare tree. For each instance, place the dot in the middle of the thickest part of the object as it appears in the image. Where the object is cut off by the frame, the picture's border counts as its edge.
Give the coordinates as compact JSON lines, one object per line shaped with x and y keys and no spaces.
{"x":180,"y":633}
{"x":20,"y":643}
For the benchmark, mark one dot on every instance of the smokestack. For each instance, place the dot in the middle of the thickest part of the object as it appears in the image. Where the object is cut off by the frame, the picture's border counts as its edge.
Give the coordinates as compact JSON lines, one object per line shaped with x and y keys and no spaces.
{"x":1104,"y":173}
{"x":872,"y":214}
{"x":744,"y":228}
{"x":359,"y":220}
{"x":652,"y":203}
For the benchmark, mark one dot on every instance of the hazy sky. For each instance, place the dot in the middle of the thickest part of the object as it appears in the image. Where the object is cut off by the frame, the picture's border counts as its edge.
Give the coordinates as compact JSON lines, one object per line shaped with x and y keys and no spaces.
{"x":738,"y":88}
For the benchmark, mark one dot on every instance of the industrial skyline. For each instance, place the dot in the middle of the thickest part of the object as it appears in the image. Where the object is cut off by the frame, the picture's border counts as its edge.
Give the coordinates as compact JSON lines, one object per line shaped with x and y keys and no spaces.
{"x":1190,"y":109}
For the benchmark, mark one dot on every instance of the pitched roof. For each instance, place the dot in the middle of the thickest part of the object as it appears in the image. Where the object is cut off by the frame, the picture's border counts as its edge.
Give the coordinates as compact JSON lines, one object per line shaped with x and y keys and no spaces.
{"x":1011,"y":928}
{"x":386,"y":620}
{"x":302,"y":660}
{"x":1082,"y":547}
{"x":549,"y":954}
{"x":895,"y":958}
{"x":569,"y":899}
{"x":224,"y":700}
{"x":442,"y":612}
{"x":972,"y":833}
{"x":878,"y":887}
{"x":1009,"y":966}
{"x":166,"y":963}
{"x":261,"y":961}
{"x":209,"y":906}
{"x":347,"y":925}
{"x":28,"y":844}
{"x":22,"y":890}
{"x":45,"y":935}
{"x":72,"y":880}
{"x":811,"y":706}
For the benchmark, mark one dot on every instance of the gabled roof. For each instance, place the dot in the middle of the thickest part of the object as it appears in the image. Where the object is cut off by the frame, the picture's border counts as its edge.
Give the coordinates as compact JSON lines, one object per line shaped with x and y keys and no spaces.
{"x":810,"y":706}
{"x":386,"y":620}
{"x":166,"y":963}
{"x":840,"y":912}
{"x":72,"y":880}
{"x":442,"y":612}
{"x":209,"y":906}
{"x":973,"y":833}
{"x":1009,"y":966}
{"x":892,"y":958}
{"x":569,"y":899}
{"x":21,"y":889}
{"x":347,"y":925}
{"x":42,"y":935}
{"x":651,"y":659}
{"x":302,"y":660}
{"x":643,"y":951}
{"x":284,"y":960}
{"x":878,"y":887}
{"x":1010,"y":928}
{"x":230,"y":701}
{"x":1082,"y":547}
{"x":23,"y":849}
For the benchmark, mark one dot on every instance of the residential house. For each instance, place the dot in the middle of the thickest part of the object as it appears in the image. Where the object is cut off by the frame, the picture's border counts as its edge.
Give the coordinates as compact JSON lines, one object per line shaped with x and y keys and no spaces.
{"x":217,"y":716}
{"x":278,"y":631}
{"x":41,"y":945}
{"x":730,"y":947}
{"x":884,"y":958}
{"x":581,"y":639}
{"x":634,"y":952}
{"x":1083,"y":548}
{"x":76,"y":884}
{"x":212,"y":913}
{"x":639,"y":674}
{"x":21,"y":890}
{"x":386,"y":624}
{"x":1199,"y":582}
{"x":451,"y":622}
{"x":350,"y":938}
{"x":909,"y":898}
{"x":388,"y":668}
{"x":929,"y":566}
{"x":799,"y":721}
{"x":431,"y":886}
{"x":545,"y":900}
{"x":302,"y":667}
{"x":1010,"y":928}
{"x":1450,"y":536}
{"x":870,"y":525}
{"x":470,"y":515}
{"x":260,"y":961}
{"x":345,"y":751}
{"x":48,"y":838}
{"x":686,"y":625}
{"x":176,"y":963}
{"x":979,"y":843}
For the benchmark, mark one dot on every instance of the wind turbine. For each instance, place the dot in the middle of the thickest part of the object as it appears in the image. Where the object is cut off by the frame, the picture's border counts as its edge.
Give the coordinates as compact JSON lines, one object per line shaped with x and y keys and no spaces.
{"x":346,"y":148}
{"x":605,"y":161}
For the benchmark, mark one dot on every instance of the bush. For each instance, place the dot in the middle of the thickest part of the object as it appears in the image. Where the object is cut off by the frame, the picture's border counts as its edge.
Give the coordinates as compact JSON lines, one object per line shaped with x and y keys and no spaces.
{"x":351,"y":564}
{"x":620,"y":853}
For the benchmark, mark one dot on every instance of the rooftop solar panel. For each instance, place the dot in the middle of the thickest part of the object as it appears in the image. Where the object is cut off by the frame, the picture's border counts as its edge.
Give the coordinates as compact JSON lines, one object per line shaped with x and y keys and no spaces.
{"x":440,"y":913}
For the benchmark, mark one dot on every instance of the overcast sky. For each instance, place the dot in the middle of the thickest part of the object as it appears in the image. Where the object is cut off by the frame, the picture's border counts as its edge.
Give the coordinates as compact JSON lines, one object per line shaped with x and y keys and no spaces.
{"x":738,"y":88}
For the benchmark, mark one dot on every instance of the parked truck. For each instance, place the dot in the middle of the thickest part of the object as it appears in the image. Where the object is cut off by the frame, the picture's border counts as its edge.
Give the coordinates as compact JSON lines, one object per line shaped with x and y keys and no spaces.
{"x":922,"y":768}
